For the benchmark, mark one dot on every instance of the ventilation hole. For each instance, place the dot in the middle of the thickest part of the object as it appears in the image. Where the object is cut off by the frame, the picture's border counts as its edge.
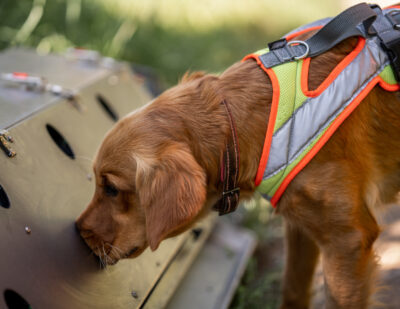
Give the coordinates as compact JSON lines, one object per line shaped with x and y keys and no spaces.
{"x":4,"y":201}
{"x":107,"y":107}
{"x":60,"y":141}
{"x":15,"y":301}
{"x":197,"y":232}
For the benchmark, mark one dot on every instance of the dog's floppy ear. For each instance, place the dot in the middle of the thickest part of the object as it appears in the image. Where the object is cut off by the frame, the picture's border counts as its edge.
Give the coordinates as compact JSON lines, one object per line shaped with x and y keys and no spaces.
{"x":173,"y":194}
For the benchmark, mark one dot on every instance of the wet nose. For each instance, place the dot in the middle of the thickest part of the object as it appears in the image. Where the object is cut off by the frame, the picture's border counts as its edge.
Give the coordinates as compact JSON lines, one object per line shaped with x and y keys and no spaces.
{"x":81,"y":225}
{"x":83,"y":230}
{"x":78,"y":225}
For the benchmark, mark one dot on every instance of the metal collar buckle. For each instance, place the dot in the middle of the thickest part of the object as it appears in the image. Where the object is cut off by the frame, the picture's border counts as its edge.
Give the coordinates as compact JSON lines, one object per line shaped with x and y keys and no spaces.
{"x":231,"y":192}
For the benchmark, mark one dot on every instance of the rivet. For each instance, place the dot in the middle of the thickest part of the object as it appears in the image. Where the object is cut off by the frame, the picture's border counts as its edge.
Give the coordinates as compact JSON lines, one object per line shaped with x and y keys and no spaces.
{"x":28,"y":230}
{"x":134,"y":294}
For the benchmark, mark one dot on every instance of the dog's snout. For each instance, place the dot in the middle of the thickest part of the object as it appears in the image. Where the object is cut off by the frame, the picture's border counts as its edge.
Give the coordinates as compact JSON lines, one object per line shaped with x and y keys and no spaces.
{"x":84,"y":231}
{"x":78,"y":225}
{"x":82,"y":227}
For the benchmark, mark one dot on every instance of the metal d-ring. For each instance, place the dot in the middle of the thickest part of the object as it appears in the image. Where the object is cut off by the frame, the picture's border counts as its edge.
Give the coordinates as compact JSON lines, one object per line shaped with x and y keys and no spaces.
{"x":300,"y":43}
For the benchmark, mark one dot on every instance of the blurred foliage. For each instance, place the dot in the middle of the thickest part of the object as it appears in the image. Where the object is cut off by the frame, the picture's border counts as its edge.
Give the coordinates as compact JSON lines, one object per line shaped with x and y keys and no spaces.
{"x":171,"y":36}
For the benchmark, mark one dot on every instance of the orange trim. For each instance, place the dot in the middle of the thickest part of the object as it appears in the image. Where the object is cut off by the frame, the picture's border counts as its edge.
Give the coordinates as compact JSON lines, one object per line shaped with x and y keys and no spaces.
{"x":388,"y":87}
{"x":252,"y":56}
{"x":293,"y":35}
{"x":271,"y":120}
{"x":274,"y":107}
{"x":328,"y":133}
{"x":334,"y":73}
{"x":392,"y":7}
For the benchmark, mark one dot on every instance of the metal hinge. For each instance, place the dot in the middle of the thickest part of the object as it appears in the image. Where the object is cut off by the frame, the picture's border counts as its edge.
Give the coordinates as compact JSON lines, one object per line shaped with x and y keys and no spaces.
{"x":5,"y":140}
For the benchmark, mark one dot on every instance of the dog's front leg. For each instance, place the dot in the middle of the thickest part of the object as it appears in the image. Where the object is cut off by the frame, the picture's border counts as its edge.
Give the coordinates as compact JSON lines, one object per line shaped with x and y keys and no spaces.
{"x":301,"y":258}
{"x":348,"y":266}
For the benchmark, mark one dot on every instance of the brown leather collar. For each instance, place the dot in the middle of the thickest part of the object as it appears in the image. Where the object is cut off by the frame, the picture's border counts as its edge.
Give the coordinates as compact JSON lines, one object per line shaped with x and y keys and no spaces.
{"x":229,"y":170}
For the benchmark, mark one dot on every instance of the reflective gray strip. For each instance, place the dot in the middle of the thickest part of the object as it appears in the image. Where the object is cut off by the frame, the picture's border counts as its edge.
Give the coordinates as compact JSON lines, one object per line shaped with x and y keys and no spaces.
{"x":291,"y":139}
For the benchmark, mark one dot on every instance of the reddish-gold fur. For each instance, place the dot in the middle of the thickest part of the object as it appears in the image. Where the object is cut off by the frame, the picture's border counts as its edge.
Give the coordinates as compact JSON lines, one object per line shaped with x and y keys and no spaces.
{"x":164,"y":159}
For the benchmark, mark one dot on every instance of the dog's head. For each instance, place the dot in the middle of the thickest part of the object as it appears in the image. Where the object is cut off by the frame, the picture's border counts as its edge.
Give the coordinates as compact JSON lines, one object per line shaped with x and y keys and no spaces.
{"x":149,"y":187}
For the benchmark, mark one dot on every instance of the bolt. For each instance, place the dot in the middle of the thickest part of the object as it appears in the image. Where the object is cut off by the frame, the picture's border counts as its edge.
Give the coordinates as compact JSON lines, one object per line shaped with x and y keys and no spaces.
{"x":134,"y":294}
{"x":28,"y":230}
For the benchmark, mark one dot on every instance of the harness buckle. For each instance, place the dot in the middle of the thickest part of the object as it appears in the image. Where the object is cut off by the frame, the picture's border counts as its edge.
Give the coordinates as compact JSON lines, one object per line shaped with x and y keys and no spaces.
{"x":231,"y":192}
{"x":391,"y":16}
{"x":390,"y":41}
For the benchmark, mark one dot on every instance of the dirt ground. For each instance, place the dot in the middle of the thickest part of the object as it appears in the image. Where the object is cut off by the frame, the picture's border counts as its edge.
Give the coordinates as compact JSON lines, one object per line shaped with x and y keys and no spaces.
{"x":261,"y":285}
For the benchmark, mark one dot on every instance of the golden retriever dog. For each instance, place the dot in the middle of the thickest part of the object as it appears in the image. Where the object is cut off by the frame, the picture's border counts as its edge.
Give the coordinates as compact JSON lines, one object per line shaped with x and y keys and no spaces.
{"x":158,"y":172}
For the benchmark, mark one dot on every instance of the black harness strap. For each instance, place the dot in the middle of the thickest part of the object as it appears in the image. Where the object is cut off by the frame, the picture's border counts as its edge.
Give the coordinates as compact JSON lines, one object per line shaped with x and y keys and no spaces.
{"x":229,"y":169}
{"x":345,"y":25}
{"x":354,"y":21}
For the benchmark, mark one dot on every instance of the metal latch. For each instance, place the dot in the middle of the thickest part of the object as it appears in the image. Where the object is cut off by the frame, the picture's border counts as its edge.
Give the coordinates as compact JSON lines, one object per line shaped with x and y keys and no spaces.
{"x":40,"y":84}
{"x":5,"y":140}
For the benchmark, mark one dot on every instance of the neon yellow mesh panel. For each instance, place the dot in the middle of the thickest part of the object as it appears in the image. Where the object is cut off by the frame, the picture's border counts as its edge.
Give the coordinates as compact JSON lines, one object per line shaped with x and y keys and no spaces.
{"x":291,"y":96}
{"x":300,"y":97}
{"x":388,"y":76}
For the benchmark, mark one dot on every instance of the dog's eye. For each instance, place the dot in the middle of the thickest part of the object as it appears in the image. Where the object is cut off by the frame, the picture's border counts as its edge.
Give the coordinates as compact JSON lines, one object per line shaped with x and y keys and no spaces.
{"x":110,"y":190}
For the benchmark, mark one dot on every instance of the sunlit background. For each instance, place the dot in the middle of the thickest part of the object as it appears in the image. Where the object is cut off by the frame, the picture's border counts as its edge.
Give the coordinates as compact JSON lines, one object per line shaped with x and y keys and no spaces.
{"x":171,"y":37}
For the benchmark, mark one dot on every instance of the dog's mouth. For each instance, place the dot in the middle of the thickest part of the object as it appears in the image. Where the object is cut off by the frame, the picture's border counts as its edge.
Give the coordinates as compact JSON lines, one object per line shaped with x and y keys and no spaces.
{"x":111,"y":257}
{"x":113,"y":260}
{"x":131,"y":252}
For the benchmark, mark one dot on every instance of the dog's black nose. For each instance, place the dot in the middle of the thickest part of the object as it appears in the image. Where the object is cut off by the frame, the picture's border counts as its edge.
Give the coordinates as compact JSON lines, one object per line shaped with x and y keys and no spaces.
{"x":78,"y":225}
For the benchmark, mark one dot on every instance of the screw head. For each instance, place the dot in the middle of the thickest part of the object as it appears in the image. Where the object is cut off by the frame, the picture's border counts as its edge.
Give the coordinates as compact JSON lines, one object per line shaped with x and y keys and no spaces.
{"x":28,"y":230}
{"x":134,"y":294}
